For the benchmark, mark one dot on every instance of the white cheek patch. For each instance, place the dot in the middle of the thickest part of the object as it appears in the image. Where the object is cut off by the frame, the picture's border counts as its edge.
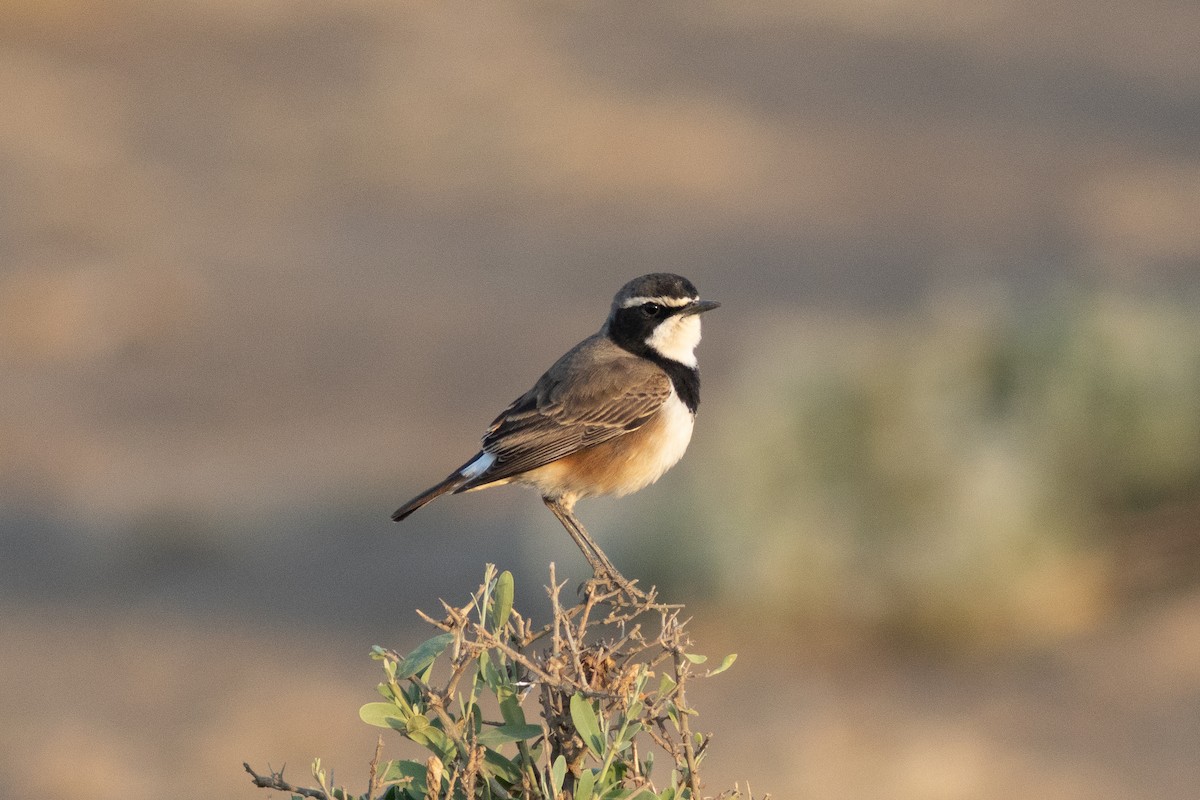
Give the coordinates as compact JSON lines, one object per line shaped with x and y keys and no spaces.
{"x":676,"y":338}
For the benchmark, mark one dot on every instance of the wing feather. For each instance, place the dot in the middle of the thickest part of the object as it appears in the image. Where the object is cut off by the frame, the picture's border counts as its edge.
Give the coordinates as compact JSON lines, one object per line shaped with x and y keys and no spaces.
{"x":595,"y":393}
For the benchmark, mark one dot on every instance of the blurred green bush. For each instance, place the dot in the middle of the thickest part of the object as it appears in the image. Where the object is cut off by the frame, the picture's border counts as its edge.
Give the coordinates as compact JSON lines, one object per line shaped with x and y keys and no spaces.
{"x":960,"y":474}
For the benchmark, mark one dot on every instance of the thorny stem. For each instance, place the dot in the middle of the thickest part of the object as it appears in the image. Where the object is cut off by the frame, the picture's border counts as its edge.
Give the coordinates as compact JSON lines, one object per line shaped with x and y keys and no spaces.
{"x":517,"y":656}
{"x":595,"y":648}
{"x":373,"y":778}
{"x":685,"y":732}
{"x":275,"y":781}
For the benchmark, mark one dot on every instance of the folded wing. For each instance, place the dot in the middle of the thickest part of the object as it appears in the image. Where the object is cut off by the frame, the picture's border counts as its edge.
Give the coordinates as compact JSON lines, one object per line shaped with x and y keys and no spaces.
{"x":566,"y":412}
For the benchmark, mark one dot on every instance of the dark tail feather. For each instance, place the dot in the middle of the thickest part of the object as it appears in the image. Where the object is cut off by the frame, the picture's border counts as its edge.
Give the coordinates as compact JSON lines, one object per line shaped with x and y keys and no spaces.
{"x":449,"y":485}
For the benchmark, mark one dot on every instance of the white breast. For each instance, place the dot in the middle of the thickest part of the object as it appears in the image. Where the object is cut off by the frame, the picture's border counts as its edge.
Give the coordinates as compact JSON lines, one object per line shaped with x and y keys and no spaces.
{"x":674,"y":432}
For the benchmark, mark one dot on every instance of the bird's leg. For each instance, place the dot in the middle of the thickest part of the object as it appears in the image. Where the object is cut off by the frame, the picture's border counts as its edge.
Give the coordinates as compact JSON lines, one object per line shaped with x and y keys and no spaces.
{"x":565,"y":513}
{"x":601,"y":565}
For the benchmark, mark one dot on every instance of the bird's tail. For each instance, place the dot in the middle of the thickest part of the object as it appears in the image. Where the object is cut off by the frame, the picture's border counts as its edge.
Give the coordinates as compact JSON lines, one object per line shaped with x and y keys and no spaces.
{"x":449,"y":485}
{"x":467,"y":477}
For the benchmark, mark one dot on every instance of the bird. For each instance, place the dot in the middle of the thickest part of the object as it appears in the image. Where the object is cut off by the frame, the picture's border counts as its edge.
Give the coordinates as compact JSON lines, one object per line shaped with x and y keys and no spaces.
{"x":610,"y":417}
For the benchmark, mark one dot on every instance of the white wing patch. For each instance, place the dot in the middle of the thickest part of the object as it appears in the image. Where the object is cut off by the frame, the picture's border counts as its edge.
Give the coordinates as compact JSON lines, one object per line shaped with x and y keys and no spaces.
{"x":478,"y":466}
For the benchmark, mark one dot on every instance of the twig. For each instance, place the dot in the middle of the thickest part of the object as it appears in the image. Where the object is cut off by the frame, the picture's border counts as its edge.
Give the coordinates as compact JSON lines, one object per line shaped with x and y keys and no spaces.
{"x":373,"y":780}
{"x":516,"y":655}
{"x":275,"y":781}
{"x":685,"y":733}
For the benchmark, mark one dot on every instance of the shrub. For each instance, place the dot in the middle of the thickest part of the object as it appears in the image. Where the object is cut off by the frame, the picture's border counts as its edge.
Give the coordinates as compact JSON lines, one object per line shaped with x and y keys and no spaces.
{"x":610,"y":677}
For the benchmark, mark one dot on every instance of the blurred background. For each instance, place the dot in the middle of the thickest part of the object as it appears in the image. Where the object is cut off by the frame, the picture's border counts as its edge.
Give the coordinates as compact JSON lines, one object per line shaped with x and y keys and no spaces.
{"x":268,"y":268}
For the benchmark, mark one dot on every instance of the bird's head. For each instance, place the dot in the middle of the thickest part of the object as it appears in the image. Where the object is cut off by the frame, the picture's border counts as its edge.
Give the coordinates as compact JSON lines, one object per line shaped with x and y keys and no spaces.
{"x":658,"y":313}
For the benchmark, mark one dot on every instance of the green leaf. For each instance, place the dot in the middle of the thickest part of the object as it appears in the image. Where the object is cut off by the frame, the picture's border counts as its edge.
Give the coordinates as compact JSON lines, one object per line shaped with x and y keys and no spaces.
{"x":695,"y":659}
{"x":510,"y":709}
{"x":666,"y":684}
{"x":584,"y":717}
{"x":430,"y":736}
{"x":500,"y":767}
{"x":417,"y":723}
{"x":488,"y":672}
{"x":558,"y":773}
{"x":410,"y":771}
{"x":440,"y":743}
{"x":502,"y":600}
{"x":585,"y":787}
{"x":630,"y":732}
{"x":383,"y":715}
{"x":423,"y":657}
{"x":505,"y":734}
{"x":726,"y":663}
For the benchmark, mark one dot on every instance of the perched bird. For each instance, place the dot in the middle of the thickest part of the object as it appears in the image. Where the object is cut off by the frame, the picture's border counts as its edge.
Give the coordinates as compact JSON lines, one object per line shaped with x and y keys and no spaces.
{"x":610,"y":417}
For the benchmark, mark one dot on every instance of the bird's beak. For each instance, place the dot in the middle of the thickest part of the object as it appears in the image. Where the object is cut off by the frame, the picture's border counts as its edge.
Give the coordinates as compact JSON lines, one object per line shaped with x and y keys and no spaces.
{"x":698,"y":307}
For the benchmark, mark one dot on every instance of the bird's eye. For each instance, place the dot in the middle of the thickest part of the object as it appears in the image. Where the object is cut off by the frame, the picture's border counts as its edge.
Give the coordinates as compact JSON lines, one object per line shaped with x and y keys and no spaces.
{"x":651,"y":309}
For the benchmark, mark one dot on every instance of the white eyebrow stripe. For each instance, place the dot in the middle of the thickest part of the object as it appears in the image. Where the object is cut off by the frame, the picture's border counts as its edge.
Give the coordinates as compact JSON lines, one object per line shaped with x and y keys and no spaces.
{"x":672,"y":302}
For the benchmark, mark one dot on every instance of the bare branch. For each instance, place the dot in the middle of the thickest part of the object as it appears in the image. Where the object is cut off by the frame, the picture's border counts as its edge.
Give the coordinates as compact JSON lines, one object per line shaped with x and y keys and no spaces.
{"x":275,"y":781}
{"x":373,"y":778}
